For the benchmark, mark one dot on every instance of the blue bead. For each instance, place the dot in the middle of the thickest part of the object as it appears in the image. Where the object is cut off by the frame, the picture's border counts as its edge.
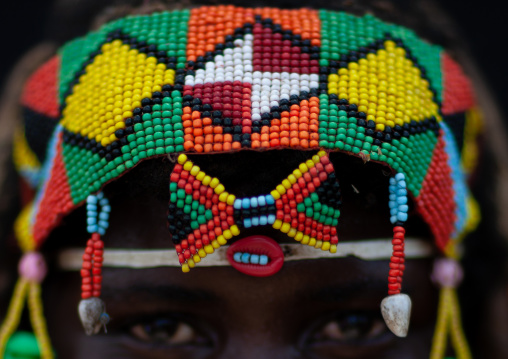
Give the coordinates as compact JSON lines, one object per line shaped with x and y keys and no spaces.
{"x":269,"y":199}
{"x":254,"y":202}
{"x":247,"y":223}
{"x":254,"y":259}
{"x":91,"y":199}
{"x":255,"y":221}
{"x":91,"y":207}
{"x":402,"y":184}
{"x":392,"y":188}
{"x":237,"y":204}
{"x":401,"y":192}
{"x":106,"y":208}
{"x":392,"y":204}
{"x":263,"y":260}
{"x":104,"y":202}
{"x":237,"y":256}
{"x":392,"y":197}
{"x":402,"y":216}
{"x":261,"y":201}
{"x":271,"y":218}
{"x":263,"y":220}
{"x":92,"y":229}
{"x":103,"y":224}
{"x":400,"y":177}
{"x":91,"y":214}
{"x":404,"y":208}
{"x":392,"y":181}
{"x":245,"y":203}
{"x":101,"y":231}
{"x":91,"y":220}
{"x":393,"y":211}
{"x":104,"y":216}
{"x":402,"y":200}
{"x":100,"y":195}
{"x":246,"y":258}
{"x":393,"y":219}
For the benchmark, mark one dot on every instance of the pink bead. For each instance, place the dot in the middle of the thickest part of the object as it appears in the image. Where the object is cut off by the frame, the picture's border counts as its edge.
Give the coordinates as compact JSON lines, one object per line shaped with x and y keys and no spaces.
{"x":447,"y":273}
{"x":32,"y":267}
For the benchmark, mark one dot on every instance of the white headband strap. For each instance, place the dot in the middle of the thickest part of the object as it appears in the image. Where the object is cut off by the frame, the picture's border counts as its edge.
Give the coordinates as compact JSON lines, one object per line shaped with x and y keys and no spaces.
{"x":374,"y":249}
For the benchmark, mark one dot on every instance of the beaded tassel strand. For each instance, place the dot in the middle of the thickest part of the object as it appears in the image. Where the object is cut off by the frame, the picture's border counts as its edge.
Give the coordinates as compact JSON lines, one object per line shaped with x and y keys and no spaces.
{"x":447,"y":274}
{"x":32,"y":269}
{"x":396,"y":308}
{"x":91,"y":308}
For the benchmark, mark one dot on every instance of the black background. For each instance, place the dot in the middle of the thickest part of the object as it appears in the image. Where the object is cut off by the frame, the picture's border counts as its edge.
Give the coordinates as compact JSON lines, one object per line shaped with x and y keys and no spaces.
{"x":483,"y":24}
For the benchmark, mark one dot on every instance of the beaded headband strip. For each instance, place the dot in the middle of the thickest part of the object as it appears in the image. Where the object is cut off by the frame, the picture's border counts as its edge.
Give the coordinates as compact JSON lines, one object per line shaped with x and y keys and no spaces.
{"x":220,"y":79}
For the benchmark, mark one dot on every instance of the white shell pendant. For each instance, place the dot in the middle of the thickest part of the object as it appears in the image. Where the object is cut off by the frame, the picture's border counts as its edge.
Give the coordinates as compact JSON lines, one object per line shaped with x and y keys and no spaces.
{"x":396,"y":311}
{"x":91,"y":312}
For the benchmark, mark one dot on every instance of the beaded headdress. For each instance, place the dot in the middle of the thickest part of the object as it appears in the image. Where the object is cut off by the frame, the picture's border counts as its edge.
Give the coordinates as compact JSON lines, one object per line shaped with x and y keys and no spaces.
{"x":221,"y":79}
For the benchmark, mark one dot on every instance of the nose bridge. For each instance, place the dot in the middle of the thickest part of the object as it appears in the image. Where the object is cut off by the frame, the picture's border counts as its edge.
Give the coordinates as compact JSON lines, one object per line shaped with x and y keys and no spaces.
{"x":251,"y":343}
{"x":260,"y":330}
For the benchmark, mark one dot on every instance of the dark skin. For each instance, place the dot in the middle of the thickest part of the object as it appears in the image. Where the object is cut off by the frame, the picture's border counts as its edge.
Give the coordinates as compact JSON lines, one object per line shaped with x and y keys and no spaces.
{"x":310,"y":309}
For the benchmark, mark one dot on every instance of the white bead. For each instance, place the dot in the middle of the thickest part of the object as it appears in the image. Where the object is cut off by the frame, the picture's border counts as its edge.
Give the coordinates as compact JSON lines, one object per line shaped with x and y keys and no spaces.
{"x":256,"y":117}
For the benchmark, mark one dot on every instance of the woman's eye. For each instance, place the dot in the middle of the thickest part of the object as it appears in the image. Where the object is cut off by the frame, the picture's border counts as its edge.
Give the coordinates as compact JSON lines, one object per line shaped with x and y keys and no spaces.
{"x":351,"y":328}
{"x":166,"y":331}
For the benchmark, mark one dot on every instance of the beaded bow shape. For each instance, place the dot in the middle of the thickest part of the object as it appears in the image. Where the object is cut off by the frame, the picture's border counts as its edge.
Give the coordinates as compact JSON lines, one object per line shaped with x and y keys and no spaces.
{"x":203,"y":216}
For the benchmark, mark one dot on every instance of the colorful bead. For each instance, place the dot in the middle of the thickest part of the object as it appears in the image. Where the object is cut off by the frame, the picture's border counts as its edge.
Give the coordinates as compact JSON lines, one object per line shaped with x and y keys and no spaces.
{"x":32,"y":267}
{"x":305,"y":209}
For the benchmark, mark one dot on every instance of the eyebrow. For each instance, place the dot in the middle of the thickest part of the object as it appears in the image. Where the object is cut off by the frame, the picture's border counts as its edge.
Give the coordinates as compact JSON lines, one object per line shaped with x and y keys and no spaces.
{"x":167,"y":292}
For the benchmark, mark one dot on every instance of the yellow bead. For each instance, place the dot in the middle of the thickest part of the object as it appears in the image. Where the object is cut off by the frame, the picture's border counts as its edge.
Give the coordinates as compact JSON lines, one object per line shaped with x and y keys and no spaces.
{"x":275,"y":194}
{"x":191,"y":263}
{"x":298,"y":236}
{"x":303,"y":168}
{"x":187,"y":166}
{"x":185,"y":268}
{"x":221,"y":240}
{"x":277,"y":224}
{"x":219,"y":189}
{"x":201,"y":253}
{"x":286,"y":183}
{"x":206,"y":180}
{"x":321,"y":153}
{"x":215,"y":244}
{"x":333,"y":248}
{"x":305,"y":239}
{"x":197,"y":258}
{"x":230,"y":199}
{"x":310,"y":163}
{"x":292,"y":232}
{"x":315,"y":159}
{"x":297,"y":173}
{"x":318,"y":244}
{"x":325,"y":246}
{"x":214,"y":182}
{"x":194,"y":170}
{"x":200,"y":176}
{"x":209,"y":249}
{"x":235,"y":230}
{"x":182,"y":159}
{"x":285,"y":227}
{"x":292,"y":179}
{"x":223,"y":196}
{"x":280,"y":188}
{"x":227,"y":234}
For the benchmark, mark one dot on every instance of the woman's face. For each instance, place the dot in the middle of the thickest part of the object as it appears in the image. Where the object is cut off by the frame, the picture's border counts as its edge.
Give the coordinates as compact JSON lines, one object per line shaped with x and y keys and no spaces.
{"x":320,"y":308}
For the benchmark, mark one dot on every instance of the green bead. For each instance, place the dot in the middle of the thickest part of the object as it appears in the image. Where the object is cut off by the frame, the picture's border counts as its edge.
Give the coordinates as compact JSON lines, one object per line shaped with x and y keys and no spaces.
{"x":22,"y":345}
